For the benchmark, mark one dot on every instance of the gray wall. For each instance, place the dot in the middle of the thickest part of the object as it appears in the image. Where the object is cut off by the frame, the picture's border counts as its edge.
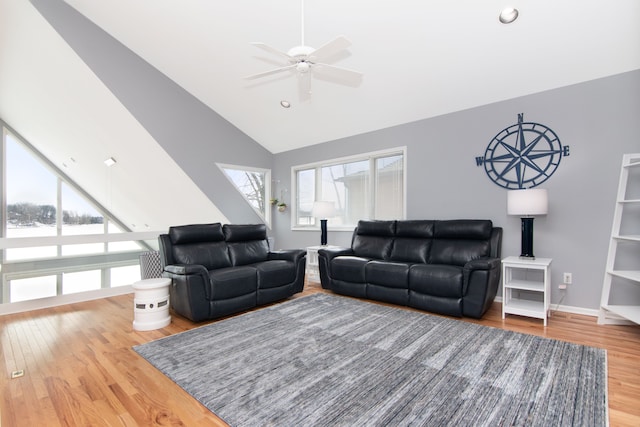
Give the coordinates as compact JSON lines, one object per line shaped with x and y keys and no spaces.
{"x":599,"y":120}
{"x":195,"y":136}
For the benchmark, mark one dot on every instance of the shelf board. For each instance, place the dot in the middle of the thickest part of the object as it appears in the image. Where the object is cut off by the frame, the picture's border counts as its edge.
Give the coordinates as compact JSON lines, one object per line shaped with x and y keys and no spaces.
{"x":629,"y":312}
{"x":626,"y":274}
{"x":528,"y":285}
{"x":630,"y":237}
{"x":525,"y":307}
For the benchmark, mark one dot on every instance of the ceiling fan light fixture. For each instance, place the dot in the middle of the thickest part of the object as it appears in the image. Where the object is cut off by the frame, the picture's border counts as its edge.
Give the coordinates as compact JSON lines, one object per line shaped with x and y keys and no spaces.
{"x":508,"y":15}
{"x":303,"y":67}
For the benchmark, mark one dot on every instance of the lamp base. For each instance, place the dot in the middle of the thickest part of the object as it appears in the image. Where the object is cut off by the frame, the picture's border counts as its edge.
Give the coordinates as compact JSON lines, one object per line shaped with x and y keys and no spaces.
{"x":323,"y":232}
{"x":526,"y":251}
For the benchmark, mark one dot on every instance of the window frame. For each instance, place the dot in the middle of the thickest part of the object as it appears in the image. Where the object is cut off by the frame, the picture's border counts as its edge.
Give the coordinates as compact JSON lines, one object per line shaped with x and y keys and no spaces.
{"x":371,"y":157}
{"x":266,"y":216}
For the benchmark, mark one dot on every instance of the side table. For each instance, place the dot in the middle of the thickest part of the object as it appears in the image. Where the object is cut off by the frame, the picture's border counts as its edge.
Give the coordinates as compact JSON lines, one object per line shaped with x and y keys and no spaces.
{"x":521,"y":277}
{"x":151,"y":304}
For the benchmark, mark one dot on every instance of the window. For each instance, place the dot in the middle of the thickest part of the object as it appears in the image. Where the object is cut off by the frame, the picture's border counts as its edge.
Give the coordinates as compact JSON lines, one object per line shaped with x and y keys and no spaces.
{"x":370,"y":186}
{"x":39,"y":203}
{"x":253,"y":184}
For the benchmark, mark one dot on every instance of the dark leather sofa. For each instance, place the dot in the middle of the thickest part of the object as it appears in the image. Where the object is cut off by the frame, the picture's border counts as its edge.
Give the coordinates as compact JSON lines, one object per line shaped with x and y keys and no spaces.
{"x":217,"y":270}
{"x":449,"y":267}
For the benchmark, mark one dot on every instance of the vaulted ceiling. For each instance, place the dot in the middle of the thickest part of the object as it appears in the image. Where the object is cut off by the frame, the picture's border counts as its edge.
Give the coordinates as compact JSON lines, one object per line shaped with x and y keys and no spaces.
{"x":420,"y":59}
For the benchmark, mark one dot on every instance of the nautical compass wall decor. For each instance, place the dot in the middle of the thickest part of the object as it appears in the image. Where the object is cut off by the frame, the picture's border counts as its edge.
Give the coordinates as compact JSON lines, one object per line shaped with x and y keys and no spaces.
{"x":523,"y":155}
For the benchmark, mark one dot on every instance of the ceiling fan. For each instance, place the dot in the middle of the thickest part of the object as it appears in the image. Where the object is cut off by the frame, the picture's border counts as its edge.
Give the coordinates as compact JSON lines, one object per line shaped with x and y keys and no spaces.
{"x":306,"y":61}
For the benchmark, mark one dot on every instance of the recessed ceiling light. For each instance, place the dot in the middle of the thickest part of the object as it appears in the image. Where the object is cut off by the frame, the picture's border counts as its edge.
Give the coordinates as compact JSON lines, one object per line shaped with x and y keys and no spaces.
{"x":285,"y":104}
{"x":508,"y":15}
{"x":110,"y":161}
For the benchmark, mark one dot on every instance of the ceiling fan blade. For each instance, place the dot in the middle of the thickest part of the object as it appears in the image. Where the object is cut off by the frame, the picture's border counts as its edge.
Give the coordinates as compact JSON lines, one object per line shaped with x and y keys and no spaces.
{"x":271,"y":50}
{"x":330,"y":48}
{"x":270,"y":72}
{"x":337,"y":74}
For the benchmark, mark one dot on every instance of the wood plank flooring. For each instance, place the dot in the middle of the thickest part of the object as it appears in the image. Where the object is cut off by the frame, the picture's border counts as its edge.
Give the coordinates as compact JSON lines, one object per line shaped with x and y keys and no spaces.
{"x":80,"y":369}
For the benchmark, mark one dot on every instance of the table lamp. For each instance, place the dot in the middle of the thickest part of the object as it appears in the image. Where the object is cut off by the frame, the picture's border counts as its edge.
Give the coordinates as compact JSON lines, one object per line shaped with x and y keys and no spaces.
{"x":323,"y":210}
{"x":527,"y":203}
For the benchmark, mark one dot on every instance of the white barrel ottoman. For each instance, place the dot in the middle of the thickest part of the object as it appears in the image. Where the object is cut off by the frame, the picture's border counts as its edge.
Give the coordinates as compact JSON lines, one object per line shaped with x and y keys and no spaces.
{"x":151,"y":304}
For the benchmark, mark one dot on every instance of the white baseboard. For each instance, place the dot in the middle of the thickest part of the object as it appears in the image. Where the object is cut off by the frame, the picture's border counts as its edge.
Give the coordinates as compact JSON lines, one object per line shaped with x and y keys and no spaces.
{"x":18,"y":307}
{"x":568,"y":309}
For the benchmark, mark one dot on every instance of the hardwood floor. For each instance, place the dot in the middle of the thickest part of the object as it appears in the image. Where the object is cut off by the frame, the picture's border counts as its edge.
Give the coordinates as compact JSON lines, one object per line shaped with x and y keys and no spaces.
{"x":80,"y":369}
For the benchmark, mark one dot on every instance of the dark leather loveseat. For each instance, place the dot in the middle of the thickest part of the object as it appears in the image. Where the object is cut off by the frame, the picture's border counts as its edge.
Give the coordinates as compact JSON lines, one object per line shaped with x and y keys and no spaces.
{"x":448,"y":267}
{"x":218,"y":270}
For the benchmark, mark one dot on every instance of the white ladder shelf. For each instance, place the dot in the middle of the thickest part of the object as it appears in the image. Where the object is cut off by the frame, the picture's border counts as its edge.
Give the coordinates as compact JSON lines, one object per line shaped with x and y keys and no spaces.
{"x":623,"y":262}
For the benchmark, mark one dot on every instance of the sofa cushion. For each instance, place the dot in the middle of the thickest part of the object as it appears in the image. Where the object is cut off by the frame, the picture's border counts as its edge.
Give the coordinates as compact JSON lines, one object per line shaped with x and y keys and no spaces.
{"x":376,"y":228}
{"x":244,"y":232}
{"x":349,"y":268}
{"x":251,"y":252}
{"x":196,"y":233}
{"x":468,"y":229}
{"x":233,"y":282}
{"x":410,"y":250}
{"x":275,"y":273}
{"x":460,"y":241}
{"x":373,"y":239}
{"x":417,"y":228}
{"x":211,"y":255}
{"x":458,"y":252}
{"x":436,"y":280}
{"x":389,"y":274}
{"x":374,"y":247}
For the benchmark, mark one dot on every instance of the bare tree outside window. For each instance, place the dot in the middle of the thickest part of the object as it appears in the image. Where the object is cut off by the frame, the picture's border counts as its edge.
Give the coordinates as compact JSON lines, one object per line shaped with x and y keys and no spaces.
{"x":253,"y":184}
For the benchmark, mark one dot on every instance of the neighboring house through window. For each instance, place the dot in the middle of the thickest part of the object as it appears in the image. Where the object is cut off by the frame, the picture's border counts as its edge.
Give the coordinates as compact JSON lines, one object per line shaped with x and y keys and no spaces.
{"x":368,"y":186}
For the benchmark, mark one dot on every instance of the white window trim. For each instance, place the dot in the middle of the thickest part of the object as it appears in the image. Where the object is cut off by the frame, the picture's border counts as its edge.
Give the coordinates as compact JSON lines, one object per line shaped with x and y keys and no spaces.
{"x":337,"y":161}
{"x":267,"y":187}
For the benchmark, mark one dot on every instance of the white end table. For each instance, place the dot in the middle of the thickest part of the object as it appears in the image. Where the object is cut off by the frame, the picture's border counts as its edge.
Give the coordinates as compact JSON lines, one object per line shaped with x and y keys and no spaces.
{"x":151,"y":304}
{"x":517,"y":281}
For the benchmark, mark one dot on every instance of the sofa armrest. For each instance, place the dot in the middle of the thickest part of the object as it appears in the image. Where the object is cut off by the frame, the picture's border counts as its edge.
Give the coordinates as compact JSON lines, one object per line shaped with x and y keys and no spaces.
{"x":189,"y":275}
{"x":288,"y":255}
{"x":324,"y":263}
{"x":330,"y":253}
{"x":482,"y":264}
{"x":184,"y":269}
{"x":481,"y":278}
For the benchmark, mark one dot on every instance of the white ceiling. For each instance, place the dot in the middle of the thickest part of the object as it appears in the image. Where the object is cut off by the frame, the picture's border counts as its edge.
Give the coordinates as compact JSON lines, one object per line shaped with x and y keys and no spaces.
{"x":419,"y":58}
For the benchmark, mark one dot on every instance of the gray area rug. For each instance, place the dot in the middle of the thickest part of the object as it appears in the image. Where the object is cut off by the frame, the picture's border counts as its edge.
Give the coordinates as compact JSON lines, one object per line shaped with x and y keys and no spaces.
{"x":336,"y":361}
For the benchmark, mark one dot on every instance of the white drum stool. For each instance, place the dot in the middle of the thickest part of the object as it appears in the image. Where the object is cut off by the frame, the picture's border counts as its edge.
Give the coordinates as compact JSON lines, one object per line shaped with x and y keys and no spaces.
{"x":151,"y":304}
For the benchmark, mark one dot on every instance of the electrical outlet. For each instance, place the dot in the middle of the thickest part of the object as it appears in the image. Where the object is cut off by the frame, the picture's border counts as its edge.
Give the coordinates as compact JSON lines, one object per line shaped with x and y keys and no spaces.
{"x":567,"y":278}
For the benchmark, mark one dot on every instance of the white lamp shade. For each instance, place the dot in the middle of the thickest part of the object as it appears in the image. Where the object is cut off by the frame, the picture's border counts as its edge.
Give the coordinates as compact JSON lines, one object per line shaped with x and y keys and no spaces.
{"x":323,"y":210}
{"x":527,"y":202}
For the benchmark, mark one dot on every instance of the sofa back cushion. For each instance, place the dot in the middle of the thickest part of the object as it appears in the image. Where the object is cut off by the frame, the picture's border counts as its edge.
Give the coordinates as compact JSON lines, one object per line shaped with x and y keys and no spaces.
{"x":413,"y":241}
{"x":457,"y":242}
{"x":196,"y":233}
{"x":373,"y":239}
{"x":247,"y":243}
{"x":199,"y":244}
